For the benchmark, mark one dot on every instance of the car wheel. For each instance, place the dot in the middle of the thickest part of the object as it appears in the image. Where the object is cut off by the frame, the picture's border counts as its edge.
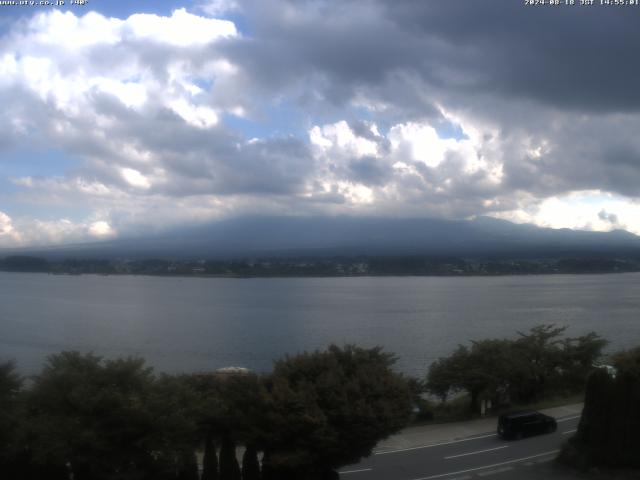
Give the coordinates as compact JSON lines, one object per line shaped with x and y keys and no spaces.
{"x":518,"y":436}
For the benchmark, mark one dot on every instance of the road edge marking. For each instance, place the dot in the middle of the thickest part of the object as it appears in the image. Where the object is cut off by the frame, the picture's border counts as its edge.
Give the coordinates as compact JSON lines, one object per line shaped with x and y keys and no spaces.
{"x":476,"y":452}
{"x":355,"y":471}
{"x":487,"y":466}
{"x":565,"y":419}
{"x":435,"y":444}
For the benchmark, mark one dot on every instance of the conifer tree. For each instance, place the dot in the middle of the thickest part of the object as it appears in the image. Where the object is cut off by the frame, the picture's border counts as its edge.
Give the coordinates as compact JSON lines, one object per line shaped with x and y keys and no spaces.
{"x":250,"y":464}
{"x":210,"y":459}
{"x":229,"y":468}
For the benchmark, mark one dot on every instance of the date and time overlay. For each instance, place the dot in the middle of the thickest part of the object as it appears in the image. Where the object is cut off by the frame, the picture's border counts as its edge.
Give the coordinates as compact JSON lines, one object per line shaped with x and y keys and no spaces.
{"x":44,"y":3}
{"x":527,"y":3}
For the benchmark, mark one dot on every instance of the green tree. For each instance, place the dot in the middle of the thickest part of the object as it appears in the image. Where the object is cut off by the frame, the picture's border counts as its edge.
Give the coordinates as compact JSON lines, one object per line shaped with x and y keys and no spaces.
{"x":607,"y":434}
{"x":577,"y":360}
{"x":538,"y":363}
{"x":483,"y":371}
{"x":209,"y":459}
{"x":174,"y":403}
{"x":250,"y":464}
{"x":328,"y":409}
{"x":188,"y":466}
{"x":10,"y":417}
{"x":229,"y":468}
{"x":107,"y":419}
{"x":539,"y":355}
{"x":231,"y":409}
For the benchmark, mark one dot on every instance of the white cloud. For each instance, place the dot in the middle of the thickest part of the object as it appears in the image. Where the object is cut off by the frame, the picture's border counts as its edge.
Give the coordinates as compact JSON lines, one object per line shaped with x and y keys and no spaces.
{"x":182,"y":28}
{"x":340,"y":136}
{"x":7,"y":232}
{"x":201,"y":117}
{"x":581,"y":210}
{"x":420,"y":142}
{"x":101,"y":229}
{"x":410,"y":168}
{"x":135,"y":178}
{"x":218,"y":7}
{"x":79,"y":65}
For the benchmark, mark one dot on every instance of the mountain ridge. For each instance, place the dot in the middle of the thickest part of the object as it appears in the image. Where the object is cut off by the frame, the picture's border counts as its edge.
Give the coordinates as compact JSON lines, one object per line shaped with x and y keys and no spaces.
{"x":281,"y":236}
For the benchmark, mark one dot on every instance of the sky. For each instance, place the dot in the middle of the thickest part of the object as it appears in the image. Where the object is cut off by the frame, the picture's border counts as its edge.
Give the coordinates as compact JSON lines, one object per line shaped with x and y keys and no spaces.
{"x":122,"y":118}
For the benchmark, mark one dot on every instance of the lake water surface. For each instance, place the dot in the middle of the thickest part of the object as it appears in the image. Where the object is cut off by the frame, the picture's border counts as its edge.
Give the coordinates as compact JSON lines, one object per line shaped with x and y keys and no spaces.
{"x":198,"y":324}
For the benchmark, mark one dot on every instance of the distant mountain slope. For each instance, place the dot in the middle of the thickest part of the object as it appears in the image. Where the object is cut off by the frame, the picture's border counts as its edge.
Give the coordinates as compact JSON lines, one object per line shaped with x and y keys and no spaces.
{"x":323,"y":236}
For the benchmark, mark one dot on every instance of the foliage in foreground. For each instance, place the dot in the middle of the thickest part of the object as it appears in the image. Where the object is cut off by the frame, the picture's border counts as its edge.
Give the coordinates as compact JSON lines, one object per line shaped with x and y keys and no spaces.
{"x":87,"y":418}
{"x":329,"y":409}
{"x":538,"y":364}
{"x":607,"y":434}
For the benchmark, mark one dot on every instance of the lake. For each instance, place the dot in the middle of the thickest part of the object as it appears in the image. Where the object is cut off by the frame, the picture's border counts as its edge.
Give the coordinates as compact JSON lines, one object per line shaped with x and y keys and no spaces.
{"x":198,"y":324}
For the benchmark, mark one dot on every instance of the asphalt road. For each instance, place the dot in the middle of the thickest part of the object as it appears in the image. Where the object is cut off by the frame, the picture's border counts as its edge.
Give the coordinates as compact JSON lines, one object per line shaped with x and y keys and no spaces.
{"x":478,"y":456}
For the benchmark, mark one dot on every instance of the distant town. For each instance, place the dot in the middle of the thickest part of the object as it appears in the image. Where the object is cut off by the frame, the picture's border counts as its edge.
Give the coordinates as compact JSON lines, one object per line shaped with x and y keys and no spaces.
{"x":319,"y":267}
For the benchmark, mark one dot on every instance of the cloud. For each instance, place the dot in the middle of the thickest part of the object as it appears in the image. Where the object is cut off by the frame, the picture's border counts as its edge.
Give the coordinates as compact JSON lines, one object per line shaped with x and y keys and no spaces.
{"x":448,"y":109}
{"x":101,"y":229}
{"x":611,"y":218}
{"x":135,"y":178}
{"x":50,"y":232}
{"x":7,"y":232}
{"x":219,"y":7}
{"x":409,"y":171}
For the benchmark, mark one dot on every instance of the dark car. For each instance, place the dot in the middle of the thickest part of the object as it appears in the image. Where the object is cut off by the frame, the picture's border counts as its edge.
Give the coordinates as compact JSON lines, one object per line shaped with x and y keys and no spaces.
{"x":516,"y":425}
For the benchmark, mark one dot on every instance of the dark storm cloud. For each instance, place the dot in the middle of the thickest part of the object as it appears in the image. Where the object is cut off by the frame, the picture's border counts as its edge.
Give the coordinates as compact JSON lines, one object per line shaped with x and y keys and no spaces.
{"x":576,"y":57}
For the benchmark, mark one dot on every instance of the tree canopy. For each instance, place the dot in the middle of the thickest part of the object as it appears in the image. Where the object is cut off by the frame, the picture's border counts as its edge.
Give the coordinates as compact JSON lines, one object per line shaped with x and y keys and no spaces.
{"x":607,"y":434}
{"x":328,"y":409}
{"x":90,"y":418}
{"x":537,"y":363}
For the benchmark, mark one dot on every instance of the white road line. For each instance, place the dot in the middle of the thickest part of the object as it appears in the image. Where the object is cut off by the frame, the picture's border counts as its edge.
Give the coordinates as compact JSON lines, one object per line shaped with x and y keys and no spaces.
{"x":488,"y":466}
{"x":566,"y":419}
{"x":493,"y":472}
{"x":545,"y":460}
{"x":473,"y":453}
{"x":569,"y":431}
{"x":435,"y":444}
{"x":355,"y":471}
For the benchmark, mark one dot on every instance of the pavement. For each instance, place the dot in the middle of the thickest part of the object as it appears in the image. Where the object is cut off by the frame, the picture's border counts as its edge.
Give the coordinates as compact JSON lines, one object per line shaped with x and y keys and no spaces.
{"x":467,"y":451}
{"x":447,"y":432}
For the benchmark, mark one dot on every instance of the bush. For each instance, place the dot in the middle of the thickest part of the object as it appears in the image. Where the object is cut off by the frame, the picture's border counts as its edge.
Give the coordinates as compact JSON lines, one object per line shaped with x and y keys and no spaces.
{"x":607,"y":434}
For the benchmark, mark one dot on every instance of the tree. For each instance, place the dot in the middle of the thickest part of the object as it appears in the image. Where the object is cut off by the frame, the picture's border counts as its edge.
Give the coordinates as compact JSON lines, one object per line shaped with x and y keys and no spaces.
{"x":539,"y":355}
{"x":483,"y":371}
{"x":188,"y":466}
{"x":443,"y":377}
{"x":250,"y":464}
{"x":108,"y":418}
{"x":231,"y":410}
{"x":209,"y":459}
{"x":607,"y":434}
{"x":174,"y":403}
{"x":536,"y":364}
{"x":10,"y":416}
{"x":229,"y":468}
{"x":328,"y":409}
{"x":577,"y":360}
